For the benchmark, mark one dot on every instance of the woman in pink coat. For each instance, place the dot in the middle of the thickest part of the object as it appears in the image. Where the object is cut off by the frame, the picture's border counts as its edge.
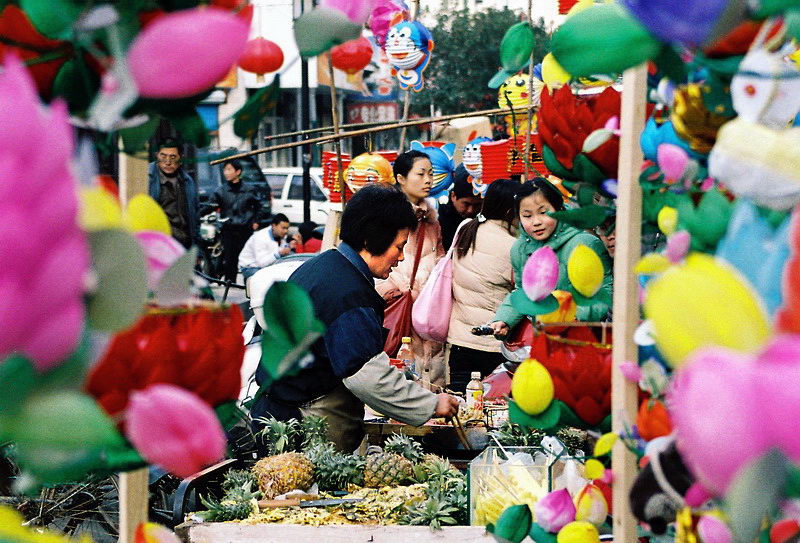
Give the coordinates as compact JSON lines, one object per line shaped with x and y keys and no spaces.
{"x":414,"y":175}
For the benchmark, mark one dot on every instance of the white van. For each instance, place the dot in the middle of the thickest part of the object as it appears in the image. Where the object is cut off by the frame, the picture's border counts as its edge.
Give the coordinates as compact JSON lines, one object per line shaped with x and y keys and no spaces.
{"x":287,"y":194}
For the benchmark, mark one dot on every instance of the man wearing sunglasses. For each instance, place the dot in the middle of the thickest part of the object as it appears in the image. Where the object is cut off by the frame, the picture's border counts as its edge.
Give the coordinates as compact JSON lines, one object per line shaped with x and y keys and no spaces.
{"x":176,"y":192}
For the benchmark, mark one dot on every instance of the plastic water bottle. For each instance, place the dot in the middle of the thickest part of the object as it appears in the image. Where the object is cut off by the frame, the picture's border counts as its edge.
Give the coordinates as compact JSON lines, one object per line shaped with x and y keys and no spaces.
{"x":475,"y":391}
{"x":406,"y":356}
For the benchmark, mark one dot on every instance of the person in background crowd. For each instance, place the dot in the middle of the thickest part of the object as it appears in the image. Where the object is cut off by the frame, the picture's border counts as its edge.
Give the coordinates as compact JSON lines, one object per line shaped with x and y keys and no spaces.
{"x":349,"y":368}
{"x":535,"y":200}
{"x":463,"y":204}
{"x":176,"y":193}
{"x":311,"y":242}
{"x":239,"y":210}
{"x":266,"y":246}
{"x":482,"y":278}
{"x":414,"y":175}
{"x":606,"y":233}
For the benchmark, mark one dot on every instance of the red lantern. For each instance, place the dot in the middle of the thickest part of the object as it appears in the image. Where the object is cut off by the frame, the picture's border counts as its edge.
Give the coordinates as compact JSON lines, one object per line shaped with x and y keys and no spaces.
{"x":261,"y":57}
{"x":352,"y":56}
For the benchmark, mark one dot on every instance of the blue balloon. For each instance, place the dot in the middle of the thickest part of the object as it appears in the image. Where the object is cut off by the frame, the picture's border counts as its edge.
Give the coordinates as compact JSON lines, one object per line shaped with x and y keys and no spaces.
{"x":443,"y":162}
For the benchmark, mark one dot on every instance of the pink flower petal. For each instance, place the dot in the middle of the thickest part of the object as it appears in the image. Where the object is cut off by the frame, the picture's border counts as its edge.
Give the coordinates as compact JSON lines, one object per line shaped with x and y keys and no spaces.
{"x":161,"y":252}
{"x":357,"y":11}
{"x":672,"y":160}
{"x":631,"y":371}
{"x":555,"y":510}
{"x":678,"y":246}
{"x":540,"y":274}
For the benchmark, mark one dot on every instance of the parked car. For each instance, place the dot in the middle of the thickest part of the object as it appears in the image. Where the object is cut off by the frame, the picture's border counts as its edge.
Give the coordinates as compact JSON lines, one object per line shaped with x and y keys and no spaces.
{"x":210,"y":177}
{"x":287,"y":191}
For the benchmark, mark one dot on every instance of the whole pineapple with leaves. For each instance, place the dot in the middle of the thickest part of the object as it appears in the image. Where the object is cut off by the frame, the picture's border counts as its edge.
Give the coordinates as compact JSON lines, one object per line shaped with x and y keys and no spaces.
{"x":334,"y":470}
{"x":405,"y":446}
{"x":514,"y":435}
{"x":279,"y":436}
{"x":384,"y":468}
{"x":281,"y":473}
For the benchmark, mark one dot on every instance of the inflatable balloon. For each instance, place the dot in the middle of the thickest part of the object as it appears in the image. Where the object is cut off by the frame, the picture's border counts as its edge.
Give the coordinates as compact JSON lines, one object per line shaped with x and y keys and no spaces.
{"x":441,"y":155}
{"x":408,"y":47}
{"x":471,"y":158}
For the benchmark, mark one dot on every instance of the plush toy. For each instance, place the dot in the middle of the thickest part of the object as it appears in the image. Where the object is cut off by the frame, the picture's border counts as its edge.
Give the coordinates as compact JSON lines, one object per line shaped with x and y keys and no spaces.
{"x":408,"y":47}
{"x":658,"y":491}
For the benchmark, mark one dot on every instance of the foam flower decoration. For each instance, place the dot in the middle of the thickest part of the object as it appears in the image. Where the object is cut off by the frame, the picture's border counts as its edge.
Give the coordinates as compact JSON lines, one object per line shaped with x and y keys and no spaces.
{"x":357,"y":11}
{"x":585,"y":270}
{"x":184,"y":35}
{"x":100,"y":210}
{"x":673,"y":160}
{"x":540,"y":274}
{"x":578,"y":532}
{"x":704,"y":302}
{"x":45,"y":253}
{"x":567,"y":308}
{"x":590,"y":505}
{"x":653,"y":421}
{"x":173,"y":428}
{"x":161,"y":251}
{"x":13,"y":530}
{"x":199,"y":349}
{"x":555,"y":510}
{"x":384,"y":15}
{"x":565,"y":121}
{"x":712,"y":529}
{"x":150,"y":532}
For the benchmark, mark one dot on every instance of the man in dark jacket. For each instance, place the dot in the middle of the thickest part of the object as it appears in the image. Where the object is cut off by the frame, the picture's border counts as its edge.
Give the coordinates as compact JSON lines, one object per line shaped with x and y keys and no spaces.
{"x":176,"y":193}
{"x":463,"y":204}
{"x":239,"y":210}
{"x":349,"y":367}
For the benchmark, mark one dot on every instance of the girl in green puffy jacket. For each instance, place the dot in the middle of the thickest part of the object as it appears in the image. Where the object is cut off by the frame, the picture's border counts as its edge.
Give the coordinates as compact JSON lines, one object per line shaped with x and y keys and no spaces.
{"x":535,"y":200}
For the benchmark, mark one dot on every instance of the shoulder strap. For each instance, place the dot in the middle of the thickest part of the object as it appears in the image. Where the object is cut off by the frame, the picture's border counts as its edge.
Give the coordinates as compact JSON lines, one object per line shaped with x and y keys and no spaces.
{"x":452,"y":248}
{"x":420,"y":243}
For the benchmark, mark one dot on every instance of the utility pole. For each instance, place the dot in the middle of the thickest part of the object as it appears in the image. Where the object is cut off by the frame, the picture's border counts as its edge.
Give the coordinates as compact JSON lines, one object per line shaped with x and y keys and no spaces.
{"x":305,"y":106}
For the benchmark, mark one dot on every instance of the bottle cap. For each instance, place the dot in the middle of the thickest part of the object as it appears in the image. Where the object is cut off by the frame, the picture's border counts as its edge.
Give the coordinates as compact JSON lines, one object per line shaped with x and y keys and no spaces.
{"x":476,"y":375}
{"x":405,"y":340}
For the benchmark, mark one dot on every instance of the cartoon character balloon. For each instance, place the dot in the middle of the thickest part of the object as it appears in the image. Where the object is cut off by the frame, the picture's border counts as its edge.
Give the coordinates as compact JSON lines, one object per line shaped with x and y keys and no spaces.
{"x":515,"y":92}
{"x":368,"y":168}
{"x":441,"y":155}
{"x":408,"y":46}
{"x":473,"y":163}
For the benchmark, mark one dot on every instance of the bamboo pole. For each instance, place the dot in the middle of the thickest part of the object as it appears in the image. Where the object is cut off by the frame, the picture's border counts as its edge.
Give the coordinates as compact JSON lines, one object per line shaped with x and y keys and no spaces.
{"x":407,"y":102}
{"x":133,"y":498}
{"x":317,"y":130}
{"x":383,"y":128}
{"x":626,"y":293}
{"x":527,"y":156}
{"x":337,"y":143}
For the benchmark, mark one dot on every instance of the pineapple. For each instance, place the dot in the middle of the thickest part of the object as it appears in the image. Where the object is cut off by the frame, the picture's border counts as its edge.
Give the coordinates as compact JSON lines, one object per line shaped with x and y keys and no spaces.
{"x":315,"y":431}
{"x":237,"y":479}
{"x":433,"y":512}
{"x":227,"y":509}
{"x":386,"y":469}
{"x":404,"y":446}
{"x":281,"y":473}
{"x":335,"y":471}
{"x":279,"y":436}
{"x":514,"y":435}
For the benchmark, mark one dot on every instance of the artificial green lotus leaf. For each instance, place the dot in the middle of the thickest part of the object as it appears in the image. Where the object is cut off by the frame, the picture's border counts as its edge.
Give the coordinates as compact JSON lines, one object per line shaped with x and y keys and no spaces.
{"x":670,"y":64}
{"x":248,"y":118}
{"x":754,"y":493}
{"x":76,"y":84}
{"x":191,"y":128}
{"x":121,"y":270}
{"x":540,"y":535}
{"x":545,"y":420}
{"x":708,"y":222}
{"x":552,"y":163}
{"x":585,"y":218}
{"x":602,"y":39}
{"x":584,"y":194}
{"x":791,"y":21}
{"x":174,"y":286}
{"x":513,"y":524}
{"x":291,"y":330}
{"x":18,"y":379}
{"x":53,"y":18}
{"x":322,"y":28}
{"x":526,"y":306}
{"x":135,"y":138}
{"x":603,"y":296}
{"x":584,"y":169}
{"x":515,"y":52}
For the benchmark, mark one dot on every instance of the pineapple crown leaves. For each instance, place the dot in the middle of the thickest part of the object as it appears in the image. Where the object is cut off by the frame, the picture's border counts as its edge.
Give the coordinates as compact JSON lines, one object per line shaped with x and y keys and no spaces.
{"x":432,"y":512}
{"x":237,"y":479}
{"x":315,"y":431}
{"x":280,"y":436}
{"x":404,"y":446}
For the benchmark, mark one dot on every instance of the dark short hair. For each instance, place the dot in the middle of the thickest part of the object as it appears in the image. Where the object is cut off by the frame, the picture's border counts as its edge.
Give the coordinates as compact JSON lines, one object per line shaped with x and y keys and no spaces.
{"x":279,"y":218}
{"x":374,"y":216}
{"x":540,"y":184}
{"x":170,"y":143}
{"x":306,"y":230}
{"x":233,"y":162}
{"x":405,"y":161}
{"x":461,"y":185}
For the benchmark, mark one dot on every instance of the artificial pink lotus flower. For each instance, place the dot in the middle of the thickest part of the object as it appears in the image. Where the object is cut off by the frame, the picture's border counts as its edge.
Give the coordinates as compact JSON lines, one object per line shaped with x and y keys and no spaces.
{"x":161,"y":252}
{"x":174,"y":428}
{"x":678,"y":246}
{"x":45,"y":254}
{"x":540,"y":274}
{"x":173,"y":57}
{"x":384,"y":15}
{"x":554,"y":511}
{"x":711,"y":529}
{"x":357,"y":11}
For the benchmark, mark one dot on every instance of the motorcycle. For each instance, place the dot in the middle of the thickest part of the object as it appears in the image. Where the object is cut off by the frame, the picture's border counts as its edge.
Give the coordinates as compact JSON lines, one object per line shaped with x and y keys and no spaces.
{"x":210,"y":257}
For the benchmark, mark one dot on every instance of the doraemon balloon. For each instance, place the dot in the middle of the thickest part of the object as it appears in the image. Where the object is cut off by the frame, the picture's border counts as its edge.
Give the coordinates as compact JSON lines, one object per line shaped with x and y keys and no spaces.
{"x":408,"y":47}
{"x":441,"y":155}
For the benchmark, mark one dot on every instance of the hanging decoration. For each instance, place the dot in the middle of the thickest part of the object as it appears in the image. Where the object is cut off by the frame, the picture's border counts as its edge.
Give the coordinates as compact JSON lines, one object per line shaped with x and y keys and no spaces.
{"x":353,"y":56}
{"x":473,"y":162}
{"x":444,"y":166}
{"x":260,"y":57}
{"x":515,"y":94}
{"x":368,"y":168}
{"x":515,"y":52}
{"x":408,"y":46}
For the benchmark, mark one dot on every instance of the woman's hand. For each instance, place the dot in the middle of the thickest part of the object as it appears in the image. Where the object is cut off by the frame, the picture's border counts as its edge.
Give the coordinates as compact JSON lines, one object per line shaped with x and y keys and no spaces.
{"x":447,"y":406}
{"x":501,"y":329}
{"x":390,"y":295}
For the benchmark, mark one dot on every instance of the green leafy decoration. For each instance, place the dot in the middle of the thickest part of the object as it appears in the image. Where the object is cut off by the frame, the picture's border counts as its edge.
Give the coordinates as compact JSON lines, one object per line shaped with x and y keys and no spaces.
{"x":121,"y":270}
{"x":134,"y":139}
{"x":602,"y":296}
{"x":76,"y":84}
{"x":18,"y":379}
{"x":585,"y":218}
{"x":229,"y":414}
{"x":53,"y":18}
{"x":249,"y":115}
{"x":291,"y":329}
{"x":545,"y":420}
{"x":526,"y":306}
{"x":191,"y":128}
{"x":708,"y":222}
{"x":754,"y":493}
{"x":540,"y":535}
{"x":513,"y":525}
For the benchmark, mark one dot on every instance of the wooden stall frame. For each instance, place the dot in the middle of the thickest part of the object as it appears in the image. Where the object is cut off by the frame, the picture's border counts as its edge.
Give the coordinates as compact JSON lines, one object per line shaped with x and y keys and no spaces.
{"x":133,"y":502}
{"x":626,"y":294}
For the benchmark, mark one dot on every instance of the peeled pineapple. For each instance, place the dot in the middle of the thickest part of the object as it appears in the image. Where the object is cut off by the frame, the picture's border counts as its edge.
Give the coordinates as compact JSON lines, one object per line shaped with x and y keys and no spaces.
{"x":281,"y":473}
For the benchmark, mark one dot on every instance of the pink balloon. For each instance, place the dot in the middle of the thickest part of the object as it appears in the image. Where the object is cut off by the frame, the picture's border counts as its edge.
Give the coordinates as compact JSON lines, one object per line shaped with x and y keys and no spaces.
{"x":716,"y":409}
{"x":672,"y":160}
{"x":177,"y":55}
{"x":357,"y":11}
{"x":174,"y":428}
{"x":540,"y":274}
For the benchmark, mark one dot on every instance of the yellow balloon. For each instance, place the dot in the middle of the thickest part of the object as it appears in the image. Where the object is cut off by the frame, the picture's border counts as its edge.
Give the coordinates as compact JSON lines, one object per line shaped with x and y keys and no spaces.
{"x":668,"y":220}
{"x":553,"y":74}
{"x":585,"y":270}
{"x":703,"y":303}
{"x":567,"y":309}
{"x":144,"y":213}
{"x":578,"y":531}
{"x":532,"y":387}
{"x":99,"y":210}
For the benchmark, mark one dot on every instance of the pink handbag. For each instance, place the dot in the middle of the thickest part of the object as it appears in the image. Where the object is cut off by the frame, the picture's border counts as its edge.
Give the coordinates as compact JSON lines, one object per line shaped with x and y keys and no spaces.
{"x":430,"y":315}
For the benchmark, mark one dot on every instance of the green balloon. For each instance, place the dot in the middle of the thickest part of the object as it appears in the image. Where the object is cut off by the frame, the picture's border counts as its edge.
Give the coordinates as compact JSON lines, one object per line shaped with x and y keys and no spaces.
{"x":515,"y":52}
{"x":602,"y":39}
